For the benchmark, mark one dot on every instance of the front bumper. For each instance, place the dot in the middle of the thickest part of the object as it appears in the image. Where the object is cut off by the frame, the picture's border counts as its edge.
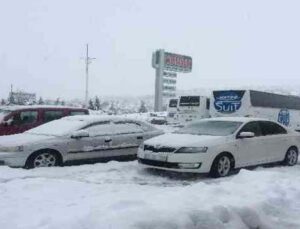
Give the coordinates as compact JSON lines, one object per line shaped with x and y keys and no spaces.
{"x":187,"y":163}
{"x":13,"y":159}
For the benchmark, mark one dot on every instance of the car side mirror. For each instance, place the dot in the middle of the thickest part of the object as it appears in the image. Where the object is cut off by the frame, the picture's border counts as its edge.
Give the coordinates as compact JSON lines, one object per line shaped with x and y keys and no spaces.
{"x":80,"y":134}
{"x":246,"y":135}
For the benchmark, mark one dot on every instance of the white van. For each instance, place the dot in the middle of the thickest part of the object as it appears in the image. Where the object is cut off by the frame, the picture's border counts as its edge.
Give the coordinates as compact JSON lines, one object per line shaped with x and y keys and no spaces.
{"x":192,"y":107}
{"x":284,"y":109}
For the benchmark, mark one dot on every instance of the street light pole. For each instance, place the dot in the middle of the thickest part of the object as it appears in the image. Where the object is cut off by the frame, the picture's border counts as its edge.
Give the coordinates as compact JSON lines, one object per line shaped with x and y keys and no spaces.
{"x":88,"y":60}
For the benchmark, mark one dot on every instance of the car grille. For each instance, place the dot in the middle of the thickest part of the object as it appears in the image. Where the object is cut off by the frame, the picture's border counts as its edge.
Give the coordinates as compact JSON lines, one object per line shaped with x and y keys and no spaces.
{"x":159,"y":149}
{"x":158,"y":163}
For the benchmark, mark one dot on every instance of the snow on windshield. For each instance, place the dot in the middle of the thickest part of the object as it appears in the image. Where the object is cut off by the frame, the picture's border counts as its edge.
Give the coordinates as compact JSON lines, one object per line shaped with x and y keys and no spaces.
{"x":58,"y":127}
{"x":215,"y":128}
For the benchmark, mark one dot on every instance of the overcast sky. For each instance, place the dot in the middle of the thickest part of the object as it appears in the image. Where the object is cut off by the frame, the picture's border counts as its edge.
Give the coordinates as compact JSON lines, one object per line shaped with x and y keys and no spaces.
{"x":254,"y":42}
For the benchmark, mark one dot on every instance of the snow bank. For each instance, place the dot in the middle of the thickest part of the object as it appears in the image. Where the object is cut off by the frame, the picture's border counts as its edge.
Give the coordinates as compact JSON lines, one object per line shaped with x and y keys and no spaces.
{"x":122,"y":195}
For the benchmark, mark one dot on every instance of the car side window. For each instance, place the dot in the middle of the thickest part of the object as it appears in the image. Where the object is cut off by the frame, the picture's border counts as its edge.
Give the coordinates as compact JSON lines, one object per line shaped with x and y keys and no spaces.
{"x":26,"y":117}
{"x":122,"y":127}
{"x":271,"y":128}
{"x":100,"y":129}
{"x":77,"y":113}
{"x":252,"y":127}
{"x":52,"y":115}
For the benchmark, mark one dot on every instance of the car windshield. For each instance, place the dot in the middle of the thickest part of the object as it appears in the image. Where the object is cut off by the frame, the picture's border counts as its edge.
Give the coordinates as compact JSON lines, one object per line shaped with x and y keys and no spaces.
{"x":59,"y":127}
{"x":215,"y":128}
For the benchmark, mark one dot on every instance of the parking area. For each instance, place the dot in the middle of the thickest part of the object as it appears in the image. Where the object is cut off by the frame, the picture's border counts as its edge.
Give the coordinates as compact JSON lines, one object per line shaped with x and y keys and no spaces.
{"x":123,"y":195}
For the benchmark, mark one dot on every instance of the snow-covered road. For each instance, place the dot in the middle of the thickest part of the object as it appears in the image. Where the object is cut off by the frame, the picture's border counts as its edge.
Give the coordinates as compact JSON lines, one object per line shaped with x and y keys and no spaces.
{"x":121,"y":195}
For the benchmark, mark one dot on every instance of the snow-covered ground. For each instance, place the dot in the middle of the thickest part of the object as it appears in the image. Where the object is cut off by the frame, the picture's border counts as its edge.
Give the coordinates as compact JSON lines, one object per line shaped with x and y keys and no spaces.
{"x":123,"y":195}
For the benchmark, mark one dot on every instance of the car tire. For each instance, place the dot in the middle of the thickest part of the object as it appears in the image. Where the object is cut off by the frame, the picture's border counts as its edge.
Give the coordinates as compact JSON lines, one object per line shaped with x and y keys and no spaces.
{"x":45,"y":158}
{"x":291,"y":157}
{"x":222,"y":165}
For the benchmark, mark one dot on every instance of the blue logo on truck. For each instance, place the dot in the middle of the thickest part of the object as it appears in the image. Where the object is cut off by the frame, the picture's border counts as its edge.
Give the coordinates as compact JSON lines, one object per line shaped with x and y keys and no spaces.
{"x":228,"y":101}
{"x":284,"y":117}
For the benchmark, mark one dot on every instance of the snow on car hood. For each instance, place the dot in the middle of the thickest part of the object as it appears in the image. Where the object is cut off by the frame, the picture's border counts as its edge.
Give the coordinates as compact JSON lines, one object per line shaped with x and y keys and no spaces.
{"x":188,"y":140}
{"x":22,"y":139}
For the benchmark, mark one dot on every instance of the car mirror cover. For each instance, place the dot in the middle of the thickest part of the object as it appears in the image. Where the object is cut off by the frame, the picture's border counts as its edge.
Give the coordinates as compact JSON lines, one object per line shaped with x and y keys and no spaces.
{"x":246,"y":135}
{"x":80,"y":134}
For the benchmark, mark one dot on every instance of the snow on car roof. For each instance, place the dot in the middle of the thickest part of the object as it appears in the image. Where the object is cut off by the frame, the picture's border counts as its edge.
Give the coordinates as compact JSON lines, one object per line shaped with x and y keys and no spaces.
{"x":20,"y":107}
{"x":66,"y":125}
{"x":98,"y":118}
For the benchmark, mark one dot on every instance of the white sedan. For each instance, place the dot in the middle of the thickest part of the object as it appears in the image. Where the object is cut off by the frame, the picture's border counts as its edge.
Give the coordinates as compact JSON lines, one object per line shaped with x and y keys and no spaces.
{"x":219,"y":145}
{"x":75,"y":138}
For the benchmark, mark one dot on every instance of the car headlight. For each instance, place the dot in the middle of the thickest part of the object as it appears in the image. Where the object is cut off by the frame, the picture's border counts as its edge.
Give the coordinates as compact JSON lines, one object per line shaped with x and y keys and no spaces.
{"x":192,"y":150}
{"x":12,"y":149}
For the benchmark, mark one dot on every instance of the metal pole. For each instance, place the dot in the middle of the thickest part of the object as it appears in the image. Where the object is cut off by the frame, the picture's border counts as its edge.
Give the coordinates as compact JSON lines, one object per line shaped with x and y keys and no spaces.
{"x":159,"y":82}
{"x":88,"y":60}
{"x":87,"y":76}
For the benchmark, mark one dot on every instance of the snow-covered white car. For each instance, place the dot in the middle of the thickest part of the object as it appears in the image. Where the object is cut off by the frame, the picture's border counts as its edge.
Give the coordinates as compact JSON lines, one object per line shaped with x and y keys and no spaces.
{"x":75,"y":138}
{"x":219,"y":145}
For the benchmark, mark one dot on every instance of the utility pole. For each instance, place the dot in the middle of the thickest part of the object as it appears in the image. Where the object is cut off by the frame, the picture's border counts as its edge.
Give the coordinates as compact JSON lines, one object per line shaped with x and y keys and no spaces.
{"x":88,"y":60}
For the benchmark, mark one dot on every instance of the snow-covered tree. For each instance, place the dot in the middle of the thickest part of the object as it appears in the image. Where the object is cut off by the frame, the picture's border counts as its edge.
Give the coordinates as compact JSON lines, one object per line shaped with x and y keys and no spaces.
{"x":97,"y":103}
{"x":11,"y":99}
{"x":57,"y":102}
{"x":143,"y":108}
{"x":41,"y":101}
{"x":63,"y":103}
{"x":3,"y":102}
{"x":91,"y":105}
{"x":112,"y":108}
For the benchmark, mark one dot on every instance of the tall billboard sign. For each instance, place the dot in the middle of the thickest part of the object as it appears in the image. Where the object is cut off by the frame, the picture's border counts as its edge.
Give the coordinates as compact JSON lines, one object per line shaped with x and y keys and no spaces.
{"x":167,"y":65}
{"x":177,"y":63}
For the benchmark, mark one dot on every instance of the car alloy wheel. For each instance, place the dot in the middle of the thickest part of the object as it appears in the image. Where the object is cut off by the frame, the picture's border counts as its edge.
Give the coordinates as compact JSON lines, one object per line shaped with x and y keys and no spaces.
{"x":224,"y":166}
{"x":291,"y":157}
{"x":44,"y":160}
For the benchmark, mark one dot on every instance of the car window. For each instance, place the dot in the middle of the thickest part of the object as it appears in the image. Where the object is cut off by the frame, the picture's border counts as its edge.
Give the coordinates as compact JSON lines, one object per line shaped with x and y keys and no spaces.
{"x":100,"y":129}
{"x":253,"y":127}
{"x":26,"y":117}
{"x":77,"y":113}
{"x":52,"y":115}
{"x":127,"y":127}
{"x":271,"y":128}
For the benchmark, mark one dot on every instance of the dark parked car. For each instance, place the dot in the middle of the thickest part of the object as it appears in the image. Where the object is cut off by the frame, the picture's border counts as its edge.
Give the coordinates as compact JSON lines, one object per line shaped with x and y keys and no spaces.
{"x":17,"y":119}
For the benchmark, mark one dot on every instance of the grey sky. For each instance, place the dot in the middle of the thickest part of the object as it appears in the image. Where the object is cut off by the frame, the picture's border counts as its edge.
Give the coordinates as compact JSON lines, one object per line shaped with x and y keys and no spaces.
{"x":235,"y":43}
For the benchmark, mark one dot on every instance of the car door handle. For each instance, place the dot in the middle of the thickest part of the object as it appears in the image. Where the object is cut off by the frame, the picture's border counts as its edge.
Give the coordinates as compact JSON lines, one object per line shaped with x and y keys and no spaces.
{"x":140,"y":137}
{"x":108,"y":140}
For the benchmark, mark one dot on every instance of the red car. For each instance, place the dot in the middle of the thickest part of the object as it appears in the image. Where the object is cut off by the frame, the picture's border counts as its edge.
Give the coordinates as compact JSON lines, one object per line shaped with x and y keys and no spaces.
{"x":18,"y":119}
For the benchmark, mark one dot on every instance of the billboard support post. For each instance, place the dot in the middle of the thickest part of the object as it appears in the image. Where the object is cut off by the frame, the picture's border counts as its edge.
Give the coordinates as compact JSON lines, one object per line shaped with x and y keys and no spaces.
{"x":159,"y":81}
